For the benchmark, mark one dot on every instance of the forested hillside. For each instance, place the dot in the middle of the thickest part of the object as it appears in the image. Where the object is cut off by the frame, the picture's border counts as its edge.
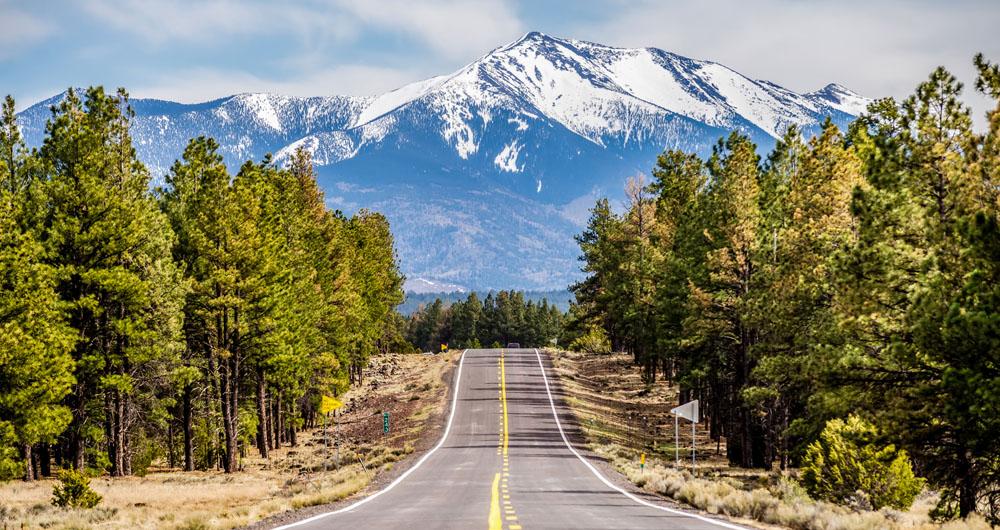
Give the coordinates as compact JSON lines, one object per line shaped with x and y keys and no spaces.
{"x":856,"y":272}
{"x":498,"y":319}
{"x":189,"y":323}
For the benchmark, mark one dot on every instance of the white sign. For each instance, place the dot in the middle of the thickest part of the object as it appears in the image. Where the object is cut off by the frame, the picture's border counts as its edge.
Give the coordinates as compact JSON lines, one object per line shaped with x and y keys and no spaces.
{"x":688,"y":411}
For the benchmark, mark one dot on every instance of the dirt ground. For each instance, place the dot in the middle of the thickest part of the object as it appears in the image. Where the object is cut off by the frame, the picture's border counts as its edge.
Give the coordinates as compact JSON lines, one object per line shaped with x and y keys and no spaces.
{"x":412,"y":388}
{"x":622,"y":418}
{"x":614,"y":406}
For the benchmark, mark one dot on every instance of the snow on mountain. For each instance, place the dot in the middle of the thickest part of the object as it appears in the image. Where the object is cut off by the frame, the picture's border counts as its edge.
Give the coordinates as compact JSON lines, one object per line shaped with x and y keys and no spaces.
{"x":486,"y":173}
{"x":392,"y":100}
{"x":422,"y":286}
{"x":841,"y":99}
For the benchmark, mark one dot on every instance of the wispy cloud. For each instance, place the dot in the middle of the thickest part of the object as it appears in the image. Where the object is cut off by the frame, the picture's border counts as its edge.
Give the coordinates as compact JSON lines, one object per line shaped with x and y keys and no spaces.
{"x":210,"y":20}
{"x":453,"y":28}
{"x":875,"y":47}
{"x":201,"y":84}
{"x":19,"y":30}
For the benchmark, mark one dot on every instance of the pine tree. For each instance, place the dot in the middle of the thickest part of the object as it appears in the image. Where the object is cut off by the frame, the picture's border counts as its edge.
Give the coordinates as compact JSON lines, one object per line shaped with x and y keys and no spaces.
{"x":912,"y":287}
{"x":110,"y":245}
{"x":722,"y":324}
{"x":35,"y":342}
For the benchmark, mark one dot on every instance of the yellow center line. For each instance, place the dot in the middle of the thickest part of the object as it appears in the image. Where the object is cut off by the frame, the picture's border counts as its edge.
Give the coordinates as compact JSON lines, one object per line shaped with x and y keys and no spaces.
{"x":503,"y":400}
{"x":497,"y":517}
{"x":495,"y":522}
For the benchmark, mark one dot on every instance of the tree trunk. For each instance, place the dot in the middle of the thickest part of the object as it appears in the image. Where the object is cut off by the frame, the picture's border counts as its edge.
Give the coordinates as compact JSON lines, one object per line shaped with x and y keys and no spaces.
{"x":171,"y":456}
{"x":229,"y":412}
{"x":29,"y":467}
{"x":262,"y":430}
{"x":291,"y":427}
{"x":272,"y":443}
{"x":967,"y":486}
{"x":231,"y":395}
{"x":109,"y":434}
{"x":279,"y":422}
{"x":119,"y":428}
{"x":76,"y":450}
{"x":45,"y":460}
{"x":188,"y":429}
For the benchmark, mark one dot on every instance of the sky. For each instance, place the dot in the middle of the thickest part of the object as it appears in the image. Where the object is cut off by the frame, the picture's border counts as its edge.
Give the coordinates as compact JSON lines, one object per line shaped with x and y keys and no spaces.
{"x":197,"y":50}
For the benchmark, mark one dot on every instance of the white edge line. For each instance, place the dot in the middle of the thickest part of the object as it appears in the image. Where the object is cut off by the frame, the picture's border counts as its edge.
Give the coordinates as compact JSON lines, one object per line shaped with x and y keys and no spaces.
{"x":608,"y":483}
{"x":447,"y":429}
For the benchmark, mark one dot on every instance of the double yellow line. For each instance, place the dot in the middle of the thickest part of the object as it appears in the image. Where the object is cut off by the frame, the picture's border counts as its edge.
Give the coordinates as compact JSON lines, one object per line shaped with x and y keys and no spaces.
{"x":500,"y":484}
{"x":503,"y":402}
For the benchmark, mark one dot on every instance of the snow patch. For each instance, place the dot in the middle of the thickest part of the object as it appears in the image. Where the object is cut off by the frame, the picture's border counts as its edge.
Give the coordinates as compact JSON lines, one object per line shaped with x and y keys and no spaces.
{"x":842,"y":99}
{"x":261,"y":106}
{"x":424,"y":286}
{"x":507,"y":160}
{"x":390,"y":101}
{"x":521,"y":124}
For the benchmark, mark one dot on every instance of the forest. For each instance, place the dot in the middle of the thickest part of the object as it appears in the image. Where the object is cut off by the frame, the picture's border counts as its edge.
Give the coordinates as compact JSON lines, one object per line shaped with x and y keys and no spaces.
{"x":188,"y":322}
{"x":501,"y":318}
{"x":851,"y":274}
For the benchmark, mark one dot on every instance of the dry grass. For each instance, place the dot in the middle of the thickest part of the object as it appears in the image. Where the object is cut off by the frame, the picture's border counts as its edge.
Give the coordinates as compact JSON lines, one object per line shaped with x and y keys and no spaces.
{"x":292,"y":478}
{"x":602,"y":388}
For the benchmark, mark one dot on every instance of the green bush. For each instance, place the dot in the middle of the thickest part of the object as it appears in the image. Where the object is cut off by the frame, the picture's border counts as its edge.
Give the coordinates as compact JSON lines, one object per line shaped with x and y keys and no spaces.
{"x":595,"y":340}
{"x":846,"y":466}
{"x":74,"y":491}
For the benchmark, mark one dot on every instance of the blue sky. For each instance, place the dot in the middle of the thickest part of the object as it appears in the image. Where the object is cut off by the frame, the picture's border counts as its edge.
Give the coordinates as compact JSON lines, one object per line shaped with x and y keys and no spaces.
{"x":195,"y":50}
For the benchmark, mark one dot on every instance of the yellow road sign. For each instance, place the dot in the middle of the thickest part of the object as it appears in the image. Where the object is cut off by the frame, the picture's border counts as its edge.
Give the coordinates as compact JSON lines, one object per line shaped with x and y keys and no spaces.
{"x":329,"y":404}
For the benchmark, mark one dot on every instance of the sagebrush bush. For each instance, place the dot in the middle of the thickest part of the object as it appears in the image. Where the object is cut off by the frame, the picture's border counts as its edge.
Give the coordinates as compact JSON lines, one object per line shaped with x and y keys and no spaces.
{"x":74,"y":491}
{"x":846,"y":466}
{"x":595,"y":340}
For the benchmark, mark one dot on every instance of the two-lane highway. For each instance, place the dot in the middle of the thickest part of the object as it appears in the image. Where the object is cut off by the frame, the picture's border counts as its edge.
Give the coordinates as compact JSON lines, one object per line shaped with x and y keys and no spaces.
{"x":504,"y":461}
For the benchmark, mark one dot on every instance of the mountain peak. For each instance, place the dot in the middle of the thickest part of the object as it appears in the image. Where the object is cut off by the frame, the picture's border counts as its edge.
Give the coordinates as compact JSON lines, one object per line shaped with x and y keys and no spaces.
{"x":484,"y":172}
{"x":842,"y":98}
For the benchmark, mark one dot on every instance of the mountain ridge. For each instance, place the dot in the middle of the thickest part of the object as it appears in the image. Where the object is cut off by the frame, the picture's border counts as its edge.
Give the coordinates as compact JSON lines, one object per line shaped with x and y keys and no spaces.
{"x":485,"y":172}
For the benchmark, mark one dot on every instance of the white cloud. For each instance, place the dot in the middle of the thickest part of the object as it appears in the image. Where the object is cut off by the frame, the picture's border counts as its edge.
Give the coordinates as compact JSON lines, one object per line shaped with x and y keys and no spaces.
{"x":879,"y":48}
{"x":203,"y":84}
{"x":211,"y":20}
{"x":453,"y":28}
{"x":19,"y":30}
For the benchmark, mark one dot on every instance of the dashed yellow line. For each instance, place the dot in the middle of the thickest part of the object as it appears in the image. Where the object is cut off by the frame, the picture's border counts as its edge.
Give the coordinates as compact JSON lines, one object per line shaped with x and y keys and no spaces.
{"x":500,"y":484}
{"x":503,"y":401}
{"x":495,"y":522}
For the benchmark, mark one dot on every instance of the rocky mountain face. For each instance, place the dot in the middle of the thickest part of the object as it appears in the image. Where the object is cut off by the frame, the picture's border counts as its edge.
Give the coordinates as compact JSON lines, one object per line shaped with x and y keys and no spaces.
{"x":487,"y":173}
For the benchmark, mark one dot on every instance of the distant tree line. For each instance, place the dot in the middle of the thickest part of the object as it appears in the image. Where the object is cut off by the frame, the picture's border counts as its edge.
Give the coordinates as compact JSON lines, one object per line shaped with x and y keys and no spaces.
{"x":853,"y":272}
{"x":498,"y":319}
{"x":560,"y":298}
{"x":188,"y":323}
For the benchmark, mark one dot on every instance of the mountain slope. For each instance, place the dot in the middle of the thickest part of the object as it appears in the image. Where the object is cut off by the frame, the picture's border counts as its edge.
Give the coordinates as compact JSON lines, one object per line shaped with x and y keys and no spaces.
{"x":488,"y":172}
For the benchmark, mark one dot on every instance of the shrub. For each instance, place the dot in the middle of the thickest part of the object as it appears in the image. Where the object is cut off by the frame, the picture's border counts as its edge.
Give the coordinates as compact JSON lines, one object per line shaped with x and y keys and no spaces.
{"x":74,"y":491}
{"x":846,"y":466}
{"x":595,"y":340}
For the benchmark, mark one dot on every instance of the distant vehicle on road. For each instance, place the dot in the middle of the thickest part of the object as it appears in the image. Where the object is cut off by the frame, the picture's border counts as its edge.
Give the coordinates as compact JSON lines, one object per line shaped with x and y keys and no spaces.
{"x":513,"y":345}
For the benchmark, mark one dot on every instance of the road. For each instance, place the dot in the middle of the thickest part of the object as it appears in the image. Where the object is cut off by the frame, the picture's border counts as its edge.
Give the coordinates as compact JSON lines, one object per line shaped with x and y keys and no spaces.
{"x":504,"y":461}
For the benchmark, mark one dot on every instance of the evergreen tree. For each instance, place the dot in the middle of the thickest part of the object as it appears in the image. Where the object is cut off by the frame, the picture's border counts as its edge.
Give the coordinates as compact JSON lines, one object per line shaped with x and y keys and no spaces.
{"x":110,"y":245}
{"x":35,"y":342}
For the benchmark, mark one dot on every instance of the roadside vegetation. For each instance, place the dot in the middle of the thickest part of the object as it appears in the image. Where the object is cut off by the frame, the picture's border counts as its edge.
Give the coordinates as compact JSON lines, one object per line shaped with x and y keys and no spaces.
{"x":833,"y":306}
{"x":412,"y":388}
{"x":184,"y":326}
{"x":623,"y":418}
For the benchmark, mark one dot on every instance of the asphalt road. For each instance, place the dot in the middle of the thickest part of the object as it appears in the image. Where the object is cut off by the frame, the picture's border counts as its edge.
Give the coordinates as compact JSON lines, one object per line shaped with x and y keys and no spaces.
{"x":505,"y":462}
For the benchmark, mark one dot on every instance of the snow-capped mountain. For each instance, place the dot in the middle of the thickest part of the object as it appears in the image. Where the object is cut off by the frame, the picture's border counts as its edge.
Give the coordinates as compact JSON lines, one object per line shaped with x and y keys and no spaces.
{"x":488,"y":172}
